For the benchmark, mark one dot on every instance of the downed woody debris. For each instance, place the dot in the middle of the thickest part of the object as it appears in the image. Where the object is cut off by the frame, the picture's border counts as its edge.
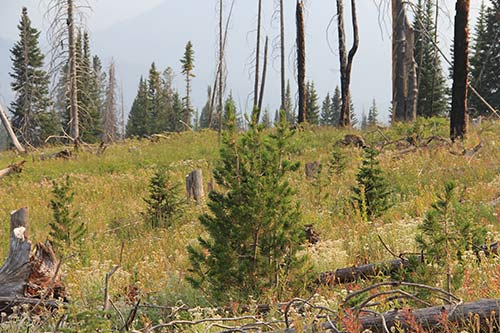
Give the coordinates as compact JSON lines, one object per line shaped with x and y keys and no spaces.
{"x":13,"y":168}
{"x":351,"y":274}
{"x":26,"y":277}
{"x":63,"y":154}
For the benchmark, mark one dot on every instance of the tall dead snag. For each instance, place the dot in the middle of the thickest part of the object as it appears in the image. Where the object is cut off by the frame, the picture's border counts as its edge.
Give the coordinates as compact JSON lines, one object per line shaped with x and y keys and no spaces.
{"x":194,"y":186}
{"x":27,"y":277}
{"x":264,"y":71}
{"x":256,"y":110}
{"x":73,"y":86}
{"x":10,"y":131}
{"x":282,"y":57}
{"x":404,"y":69}
{"x":301,"y":61}
{"x":346,"y":60}
{"x":458,"y":123}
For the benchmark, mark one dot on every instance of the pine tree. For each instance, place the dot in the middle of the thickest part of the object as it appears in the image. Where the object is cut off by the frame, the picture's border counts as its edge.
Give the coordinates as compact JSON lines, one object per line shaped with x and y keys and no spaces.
{"x":478,"y":61}
{"x":373,"y":115}
{"x":110,"y":126}
{"x":371,"y":194}
{"x":229,"y":109}
{"x":266,"y":119}
{"x":187,"y":62}
{"x":98,"y":85}
{"x":253,"y":226}
{"x":178,"y":113}
{"x":155,"y":101}
{"x":364,"y":121}
{"x":432,"y":92}
{"x":166,"y":120}
{"x":312,"y":107}
{"x":138,"y":118}
{"x":205,"y":112}
{"x":32,"y":120}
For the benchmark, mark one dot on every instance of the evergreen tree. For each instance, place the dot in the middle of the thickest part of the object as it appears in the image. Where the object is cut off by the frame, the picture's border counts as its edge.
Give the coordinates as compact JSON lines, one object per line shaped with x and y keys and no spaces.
{"x":98,"y":85}
{"x":371,"y":194}
{"x":178,"y":113}
{"x":229,"y":109}
{"x":137,"y":124}
{"x":354,"y":118}
{"x":187,"y":62}
{"x":266,"y":119}
{"x":312,"y":107}
{"x":290,"y":109}
{"x":327,"y":116}
{"x":253,"y":226}
{"x":110,"y":125}
{"x":155,"y":101}
{"x":166,"y":119}
{"x":485,"y":63}
{"x":432,"y":92}
{"x":337,"y":106}
{"x":364,"y":121}
{"x":205,"y":112}
{"x":373,"y":115}
{"x":32,"y":120}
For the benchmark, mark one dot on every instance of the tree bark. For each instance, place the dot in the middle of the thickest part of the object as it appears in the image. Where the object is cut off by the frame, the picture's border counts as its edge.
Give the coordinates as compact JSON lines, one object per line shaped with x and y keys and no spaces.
{"x":256,"y":111}
{"x":301,"y":61}
{"x":399,"y":73}
{"x":282,"y":56}
{"x":73,"y":87}
{"x":25,"y":275}
{"x":194,"y":186}
{"x":458,"y":121}
{"x":264,"y":71}
{"x":10,"y":131}
{"x":13,"y":168}
{"x":346,"y":60}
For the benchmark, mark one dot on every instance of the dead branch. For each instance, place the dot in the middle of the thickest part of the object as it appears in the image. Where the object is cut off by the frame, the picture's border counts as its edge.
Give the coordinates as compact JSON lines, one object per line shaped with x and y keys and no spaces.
{"x":13,"y":168}
{"x":10,"y":131}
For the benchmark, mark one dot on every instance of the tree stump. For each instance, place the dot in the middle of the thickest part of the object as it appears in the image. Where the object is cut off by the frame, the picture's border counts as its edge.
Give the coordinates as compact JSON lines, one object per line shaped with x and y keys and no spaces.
{"x":194,"y":186}
{"x":312,"y":169}
{"x":25,"y":277}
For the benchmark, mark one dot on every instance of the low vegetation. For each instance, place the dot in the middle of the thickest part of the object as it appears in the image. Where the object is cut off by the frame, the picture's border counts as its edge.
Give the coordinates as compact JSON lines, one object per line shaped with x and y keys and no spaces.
{"x":152,"y":250}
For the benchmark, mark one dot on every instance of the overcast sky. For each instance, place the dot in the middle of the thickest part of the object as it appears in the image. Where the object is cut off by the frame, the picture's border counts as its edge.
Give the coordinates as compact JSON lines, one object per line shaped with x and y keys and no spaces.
{"x":196,"y":20}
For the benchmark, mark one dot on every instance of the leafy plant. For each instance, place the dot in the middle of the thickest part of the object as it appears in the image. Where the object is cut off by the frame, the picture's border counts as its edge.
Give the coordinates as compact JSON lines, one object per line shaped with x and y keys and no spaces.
{"x":165,"y":204}
{"x":372,"y":193}
{"x":65,"y":230}
{"x":254,"y":226}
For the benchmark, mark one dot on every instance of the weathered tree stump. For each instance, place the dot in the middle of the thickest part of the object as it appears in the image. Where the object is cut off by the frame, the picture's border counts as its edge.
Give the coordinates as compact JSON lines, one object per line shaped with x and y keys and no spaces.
{"x":312,"y":169}
{"x":25,"y":277}
{"x":194,"y":186}
{"x":13,"y":168}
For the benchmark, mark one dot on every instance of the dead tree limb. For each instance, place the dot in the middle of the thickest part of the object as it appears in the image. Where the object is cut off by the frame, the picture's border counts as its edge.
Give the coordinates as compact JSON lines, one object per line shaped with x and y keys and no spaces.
{"x":13,"y":168}
{"x":264,"y":72}
{"x":10,"y":131}
{"x":301,"y":61}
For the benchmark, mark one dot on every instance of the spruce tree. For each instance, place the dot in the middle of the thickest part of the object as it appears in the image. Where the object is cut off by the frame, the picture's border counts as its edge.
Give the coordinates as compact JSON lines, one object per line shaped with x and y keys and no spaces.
{"x":205,"y":111}
{"x":266,"y":119}
{"x":432,"y":92}
{"x":187,"y":62}
{"x":166,"y":119}
{"x":312,"y":107}
{"x":32,"y":120}
{"x":290,"y":109}
{"x":372,"y":115}
{"x":110,"y":125}
{"x":327,"y":116}
{"x":155,"y":101}
{"x":253,"y":228}
{"x":364,"y":121}
{"x":138,"y":118}
{"x":337,"y":105}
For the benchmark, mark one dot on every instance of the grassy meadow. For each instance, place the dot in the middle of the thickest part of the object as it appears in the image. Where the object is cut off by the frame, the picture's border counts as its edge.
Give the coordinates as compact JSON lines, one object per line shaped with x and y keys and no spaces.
{"x":109,"y":198}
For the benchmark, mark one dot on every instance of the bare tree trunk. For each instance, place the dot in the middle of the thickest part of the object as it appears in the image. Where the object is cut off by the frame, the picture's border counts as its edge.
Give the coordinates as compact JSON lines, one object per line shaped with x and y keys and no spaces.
{"x":411,"y":66}
{"x":282,"y":56}
{"x":301,"y":61}
{"x":256,"y":111}
{"x":12,"y":135}
{"x":346,"y":61}
{"x":73,"y":88}
{"x":194,"y":186}
{"x":264,"y":70}
{"x":220,"y":72}
{"x":110,"y":123}
{"x":458,"y":123}
{"x":399,"y":48}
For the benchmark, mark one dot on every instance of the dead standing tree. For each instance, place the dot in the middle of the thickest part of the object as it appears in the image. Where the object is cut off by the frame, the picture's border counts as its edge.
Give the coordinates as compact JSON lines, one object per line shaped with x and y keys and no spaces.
{"x":301,"y":61}
{"x":404,"y":67}
{"x":282,"y":57}
{"x":458,"y":121}
{"x":346,"y":60}
{"x":256,"y":110}
{"x":10,"y":131}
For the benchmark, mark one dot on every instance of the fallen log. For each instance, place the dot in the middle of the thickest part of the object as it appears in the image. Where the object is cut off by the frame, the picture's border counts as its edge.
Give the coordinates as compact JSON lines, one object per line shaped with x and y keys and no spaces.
{"x":354,"y":273}
{"x":10,"y":131}
{"x":26,"y":277}
{"x":13,"y":168}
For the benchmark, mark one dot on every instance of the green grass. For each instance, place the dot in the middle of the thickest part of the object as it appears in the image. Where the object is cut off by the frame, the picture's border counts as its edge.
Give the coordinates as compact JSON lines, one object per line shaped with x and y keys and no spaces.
{"x":110,"y":189}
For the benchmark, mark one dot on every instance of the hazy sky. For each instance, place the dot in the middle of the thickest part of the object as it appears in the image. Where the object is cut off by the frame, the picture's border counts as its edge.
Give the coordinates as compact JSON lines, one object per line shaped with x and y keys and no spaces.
{"x":182,"y":20}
